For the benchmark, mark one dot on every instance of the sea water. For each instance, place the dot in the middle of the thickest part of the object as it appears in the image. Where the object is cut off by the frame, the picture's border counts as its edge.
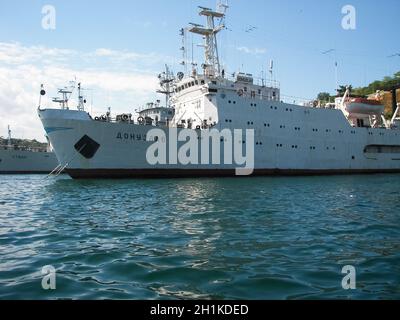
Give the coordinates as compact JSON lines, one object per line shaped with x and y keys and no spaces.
{"x":245,"y":238}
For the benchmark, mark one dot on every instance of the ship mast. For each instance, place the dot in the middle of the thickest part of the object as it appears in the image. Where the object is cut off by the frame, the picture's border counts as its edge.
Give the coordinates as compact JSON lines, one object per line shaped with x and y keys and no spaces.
{"x":211,"y":66}
{"x":9,"y":137}
{"x":81,"y":100}
{"x":184,"y":50}
{"x":65,"y":98}
{"x":166,"y":78}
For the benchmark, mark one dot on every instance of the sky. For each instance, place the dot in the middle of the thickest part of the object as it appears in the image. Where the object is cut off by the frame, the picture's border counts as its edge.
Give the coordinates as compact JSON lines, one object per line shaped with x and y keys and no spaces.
{"x":117,"y":48}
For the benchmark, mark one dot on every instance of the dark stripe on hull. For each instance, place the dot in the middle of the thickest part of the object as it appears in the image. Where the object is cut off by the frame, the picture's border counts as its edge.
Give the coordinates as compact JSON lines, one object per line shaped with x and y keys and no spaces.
{"x":198,"y":173}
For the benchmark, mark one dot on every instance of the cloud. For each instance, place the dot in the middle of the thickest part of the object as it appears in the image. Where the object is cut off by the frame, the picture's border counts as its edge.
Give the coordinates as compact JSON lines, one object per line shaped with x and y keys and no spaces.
{"x":124,"y":57}
{"x":121,"y":55}
{"x":24,"y":68}
{"x":253,"y":51}
{"x":15,"y":53}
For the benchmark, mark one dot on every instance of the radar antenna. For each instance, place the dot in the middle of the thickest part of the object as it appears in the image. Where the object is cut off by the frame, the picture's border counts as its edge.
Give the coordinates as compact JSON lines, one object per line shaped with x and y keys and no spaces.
{"x":65,"y":96}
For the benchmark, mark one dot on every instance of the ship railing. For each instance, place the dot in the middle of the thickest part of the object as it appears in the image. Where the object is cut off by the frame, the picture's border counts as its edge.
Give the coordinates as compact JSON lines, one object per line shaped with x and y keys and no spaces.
{"x":134,"y":120}
{"x":264,"y":83}
{"x":23,"y":148}
{"x":260,"y":82}
{"x":257,"y":96}
{"x":305,"y":102}
{"x":267,"y":83}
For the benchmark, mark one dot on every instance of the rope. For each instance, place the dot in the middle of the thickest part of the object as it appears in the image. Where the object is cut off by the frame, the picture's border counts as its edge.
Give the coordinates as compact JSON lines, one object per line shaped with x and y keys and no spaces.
{"x":59,"y":169}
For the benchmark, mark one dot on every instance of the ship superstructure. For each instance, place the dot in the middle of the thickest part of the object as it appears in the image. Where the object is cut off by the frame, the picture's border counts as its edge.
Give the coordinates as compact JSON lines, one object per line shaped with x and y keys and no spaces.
{"x":349,"y":136}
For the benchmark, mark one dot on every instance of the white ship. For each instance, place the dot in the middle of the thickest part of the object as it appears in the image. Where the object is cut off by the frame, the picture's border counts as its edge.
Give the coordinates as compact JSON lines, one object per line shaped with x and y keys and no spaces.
{"x":18,"y":159}
{"x":349,"y":136}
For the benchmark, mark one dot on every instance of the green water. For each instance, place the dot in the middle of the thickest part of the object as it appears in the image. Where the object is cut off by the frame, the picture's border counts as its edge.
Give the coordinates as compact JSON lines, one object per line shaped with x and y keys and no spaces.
{"x":256,"y":238}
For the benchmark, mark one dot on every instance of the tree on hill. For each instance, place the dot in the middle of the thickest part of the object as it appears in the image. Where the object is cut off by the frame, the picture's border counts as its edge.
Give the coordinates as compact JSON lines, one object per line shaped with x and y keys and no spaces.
{"x":24,"y":143}
{"x":342,"y":89}
{"x":324,"y":97}
{"x":386,"y":84}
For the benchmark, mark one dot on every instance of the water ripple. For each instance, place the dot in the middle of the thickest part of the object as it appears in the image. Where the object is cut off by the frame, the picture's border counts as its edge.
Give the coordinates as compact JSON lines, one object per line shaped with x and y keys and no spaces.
{"x":261,"y":238}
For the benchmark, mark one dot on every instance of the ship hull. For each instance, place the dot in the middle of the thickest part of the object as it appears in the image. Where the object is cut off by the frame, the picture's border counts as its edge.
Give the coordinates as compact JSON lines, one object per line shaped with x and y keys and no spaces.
{"x":26,"y":162}
{"x":210,"y":173}
{"x":325,"y":144}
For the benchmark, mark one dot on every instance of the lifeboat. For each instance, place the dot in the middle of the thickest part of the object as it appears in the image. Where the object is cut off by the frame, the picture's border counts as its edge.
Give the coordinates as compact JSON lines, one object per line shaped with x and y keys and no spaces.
{"x":364,"y":106}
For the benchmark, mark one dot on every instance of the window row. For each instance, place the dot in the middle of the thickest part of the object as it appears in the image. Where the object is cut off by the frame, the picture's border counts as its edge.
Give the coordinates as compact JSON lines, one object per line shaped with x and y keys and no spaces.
{"x":189,"y":84}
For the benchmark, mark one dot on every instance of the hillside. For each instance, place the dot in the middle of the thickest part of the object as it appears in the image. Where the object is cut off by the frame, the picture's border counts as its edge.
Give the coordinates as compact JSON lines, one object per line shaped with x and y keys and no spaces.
{"x":23,"y":143}
{"x":385,"y":86}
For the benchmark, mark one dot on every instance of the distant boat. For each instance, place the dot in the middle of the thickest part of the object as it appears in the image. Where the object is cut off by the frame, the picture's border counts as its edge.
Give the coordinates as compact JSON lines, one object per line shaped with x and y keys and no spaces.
{"x":25,"y":160}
